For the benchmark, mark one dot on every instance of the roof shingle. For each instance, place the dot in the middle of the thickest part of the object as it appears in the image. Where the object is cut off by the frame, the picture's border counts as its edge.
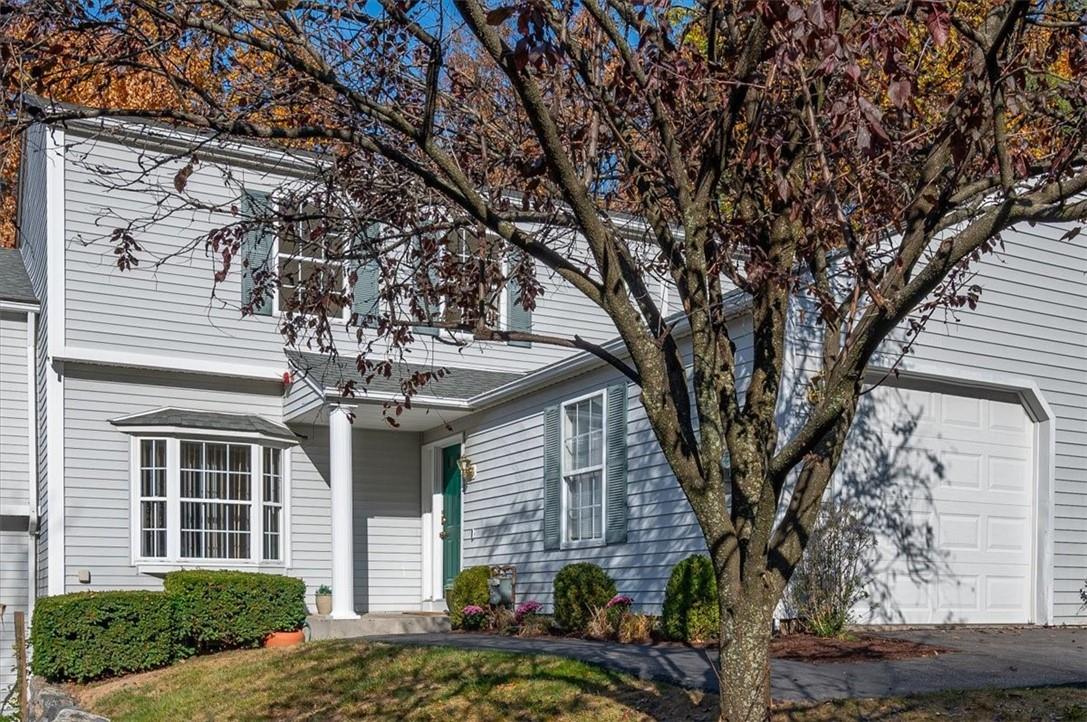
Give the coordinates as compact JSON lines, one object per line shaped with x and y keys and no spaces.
{"x":14,"y":281}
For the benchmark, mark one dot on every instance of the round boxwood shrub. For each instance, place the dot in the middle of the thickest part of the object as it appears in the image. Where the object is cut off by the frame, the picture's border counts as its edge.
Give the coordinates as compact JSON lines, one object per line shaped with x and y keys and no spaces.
{"x":580,"y":589}
{"x":469,"y":589}
{"x":224,"y":610}
{"x":90,"y":635}
{"x":690,"y":612}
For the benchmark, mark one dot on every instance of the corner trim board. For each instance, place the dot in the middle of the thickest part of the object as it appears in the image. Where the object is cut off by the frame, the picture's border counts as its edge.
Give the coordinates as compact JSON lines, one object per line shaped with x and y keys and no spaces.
{"x":54,"y":386}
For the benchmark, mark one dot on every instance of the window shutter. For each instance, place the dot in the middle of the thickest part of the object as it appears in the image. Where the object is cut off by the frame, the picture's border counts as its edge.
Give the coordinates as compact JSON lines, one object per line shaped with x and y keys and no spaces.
{"x":616,"y":474}
{"x":367,"y":290}
{"x":552,"y":530}
{"x":432,"y":313}
{"x":520,"y":319}
{"x":257,"y":246}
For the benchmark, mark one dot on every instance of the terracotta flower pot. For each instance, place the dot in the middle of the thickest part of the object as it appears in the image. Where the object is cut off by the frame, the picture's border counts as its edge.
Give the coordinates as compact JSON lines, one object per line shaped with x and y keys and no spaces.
{"x":284,"y":639}
{"x":324,"y":604}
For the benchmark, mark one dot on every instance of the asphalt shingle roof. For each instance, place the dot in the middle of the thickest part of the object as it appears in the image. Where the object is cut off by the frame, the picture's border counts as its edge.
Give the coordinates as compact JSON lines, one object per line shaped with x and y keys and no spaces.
{"x":14,"y":283}
{"x":458,"y":383}
{"x":208,"y":421}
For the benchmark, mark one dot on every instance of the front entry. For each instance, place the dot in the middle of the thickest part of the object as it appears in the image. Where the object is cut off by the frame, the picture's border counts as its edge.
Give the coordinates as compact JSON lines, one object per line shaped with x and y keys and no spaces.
{"x":450,"y":514}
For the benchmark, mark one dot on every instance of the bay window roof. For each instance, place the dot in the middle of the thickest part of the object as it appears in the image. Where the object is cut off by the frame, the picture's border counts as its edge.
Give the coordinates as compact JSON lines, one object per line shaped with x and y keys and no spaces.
{"x":166,"y":420}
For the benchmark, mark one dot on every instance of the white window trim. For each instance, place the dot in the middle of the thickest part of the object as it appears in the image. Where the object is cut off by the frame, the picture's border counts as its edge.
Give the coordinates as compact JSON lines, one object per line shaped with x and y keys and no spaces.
{"x":276,"y":312}
{"x":566,"y":543}
{"x":173,"y":559}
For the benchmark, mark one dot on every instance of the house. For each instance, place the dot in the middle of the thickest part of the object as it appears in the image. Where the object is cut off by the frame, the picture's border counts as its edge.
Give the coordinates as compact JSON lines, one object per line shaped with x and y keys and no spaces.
{"x":148,"y":426}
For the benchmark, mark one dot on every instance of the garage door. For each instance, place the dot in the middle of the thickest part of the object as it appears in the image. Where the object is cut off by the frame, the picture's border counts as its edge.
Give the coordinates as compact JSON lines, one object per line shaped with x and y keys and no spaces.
{"x":948,"y":482}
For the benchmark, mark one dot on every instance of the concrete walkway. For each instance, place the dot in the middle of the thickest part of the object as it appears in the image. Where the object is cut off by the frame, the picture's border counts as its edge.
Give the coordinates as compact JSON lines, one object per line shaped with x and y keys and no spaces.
{"x":982,"y":658}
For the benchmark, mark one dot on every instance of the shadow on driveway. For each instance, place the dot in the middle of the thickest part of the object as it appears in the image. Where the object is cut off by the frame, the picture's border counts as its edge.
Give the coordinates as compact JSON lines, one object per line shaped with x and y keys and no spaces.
{"x":982,"y":658}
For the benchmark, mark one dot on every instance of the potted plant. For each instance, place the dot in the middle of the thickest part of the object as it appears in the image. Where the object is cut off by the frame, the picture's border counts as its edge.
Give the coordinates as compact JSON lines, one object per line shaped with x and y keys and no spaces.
{"x":324,"y":599}
{"x":285,"y":639}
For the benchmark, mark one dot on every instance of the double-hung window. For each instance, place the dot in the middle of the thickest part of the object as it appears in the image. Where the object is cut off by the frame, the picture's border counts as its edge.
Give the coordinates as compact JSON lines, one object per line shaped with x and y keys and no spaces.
{"x":211,"y":501}
{"x":309,"y":261}
{"x":583,"y":459}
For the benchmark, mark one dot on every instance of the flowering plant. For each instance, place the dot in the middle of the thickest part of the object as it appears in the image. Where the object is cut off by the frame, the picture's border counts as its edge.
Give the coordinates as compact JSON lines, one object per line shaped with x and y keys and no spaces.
{"x":473,"y":616}
{"x":526,"y":609}
{"x":619,"y":600}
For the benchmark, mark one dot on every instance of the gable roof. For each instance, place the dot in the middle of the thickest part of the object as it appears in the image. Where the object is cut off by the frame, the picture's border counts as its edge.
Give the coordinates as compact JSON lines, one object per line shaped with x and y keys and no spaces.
{"x":206,"y":421}
{"x":459,"y":383}
{"x":14,"y":281}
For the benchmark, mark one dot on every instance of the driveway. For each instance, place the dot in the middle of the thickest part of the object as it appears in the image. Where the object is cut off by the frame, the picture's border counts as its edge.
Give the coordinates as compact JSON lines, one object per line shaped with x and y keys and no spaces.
{"x":992,"y":657}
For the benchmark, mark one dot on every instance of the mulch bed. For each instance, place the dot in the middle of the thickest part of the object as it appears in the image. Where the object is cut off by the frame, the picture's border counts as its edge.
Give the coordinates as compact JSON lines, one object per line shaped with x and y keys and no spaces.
{"x":858,"y":648}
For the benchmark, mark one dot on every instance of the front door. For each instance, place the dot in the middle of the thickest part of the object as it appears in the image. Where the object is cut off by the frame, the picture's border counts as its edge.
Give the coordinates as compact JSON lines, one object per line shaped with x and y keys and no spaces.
{"x":450,"y":514}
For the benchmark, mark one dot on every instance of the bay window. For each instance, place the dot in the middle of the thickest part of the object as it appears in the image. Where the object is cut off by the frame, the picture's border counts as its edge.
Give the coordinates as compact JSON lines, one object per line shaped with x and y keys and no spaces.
{"x":208,"y":501}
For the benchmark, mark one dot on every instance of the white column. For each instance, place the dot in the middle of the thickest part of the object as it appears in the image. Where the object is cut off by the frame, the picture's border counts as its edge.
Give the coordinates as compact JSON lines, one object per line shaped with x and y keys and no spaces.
{"x":343,"y":554}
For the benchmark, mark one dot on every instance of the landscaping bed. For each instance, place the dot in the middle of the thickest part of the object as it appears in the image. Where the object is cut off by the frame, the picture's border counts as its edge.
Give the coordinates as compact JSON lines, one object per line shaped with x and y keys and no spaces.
{"x":854,"y":648}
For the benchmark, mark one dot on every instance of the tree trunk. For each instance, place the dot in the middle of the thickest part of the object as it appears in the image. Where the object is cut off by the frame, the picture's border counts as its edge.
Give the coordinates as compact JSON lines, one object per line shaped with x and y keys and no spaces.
{"x":745,"y":661}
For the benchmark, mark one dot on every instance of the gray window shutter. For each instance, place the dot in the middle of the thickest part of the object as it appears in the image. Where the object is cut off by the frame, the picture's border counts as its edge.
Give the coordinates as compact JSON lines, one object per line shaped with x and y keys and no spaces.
{"x":552,"y":530}
{"x":520,"y":319}
{"x":432,"y":313}
{"x":257,"y":247}
{"x":616,"y":474}
{"x":366,"y":292}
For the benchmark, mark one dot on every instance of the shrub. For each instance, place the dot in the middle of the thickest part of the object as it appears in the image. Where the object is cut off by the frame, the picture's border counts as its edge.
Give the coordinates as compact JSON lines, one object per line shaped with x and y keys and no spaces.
{"x":690,"y":612}
{"x":473,"y":616}
{"x":829,"y":580}
{"x":223,"y":610}
{"x":534,"y":625}
{"x":636,"y":628}
{"x":89,"y":635}
{"x":579,"y":590}
{"x":469,"y":587}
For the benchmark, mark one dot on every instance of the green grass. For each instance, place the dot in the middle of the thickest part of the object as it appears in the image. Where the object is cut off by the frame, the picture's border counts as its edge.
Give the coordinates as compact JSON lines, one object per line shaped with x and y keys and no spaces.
{"x":355,"y":680}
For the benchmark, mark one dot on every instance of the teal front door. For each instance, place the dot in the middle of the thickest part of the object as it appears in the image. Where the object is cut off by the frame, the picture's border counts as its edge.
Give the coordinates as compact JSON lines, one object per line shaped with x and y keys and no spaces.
{"x":450,"y":514}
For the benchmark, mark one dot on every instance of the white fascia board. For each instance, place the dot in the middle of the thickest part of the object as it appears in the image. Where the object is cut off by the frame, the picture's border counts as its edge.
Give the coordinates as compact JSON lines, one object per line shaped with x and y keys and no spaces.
{"x":157,"y":362}
{"x":373,"y":397}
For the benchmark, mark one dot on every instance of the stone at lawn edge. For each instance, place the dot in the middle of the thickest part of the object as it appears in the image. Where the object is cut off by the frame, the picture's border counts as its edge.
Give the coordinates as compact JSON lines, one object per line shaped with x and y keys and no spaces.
{"x":77,"y":715}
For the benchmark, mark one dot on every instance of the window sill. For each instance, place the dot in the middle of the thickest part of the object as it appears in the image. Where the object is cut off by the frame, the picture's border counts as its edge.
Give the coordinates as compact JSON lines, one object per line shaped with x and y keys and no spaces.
{"x":590,"y":544}
{"x":158,"y":568}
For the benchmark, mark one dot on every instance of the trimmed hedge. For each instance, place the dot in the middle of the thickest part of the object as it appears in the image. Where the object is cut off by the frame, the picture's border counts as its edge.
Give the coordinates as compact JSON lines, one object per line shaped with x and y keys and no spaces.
{"x":224,"y":610}
{"x":469,"y":587}
{"x":90,"y":635}
{"x":691,"y":612}
{"x":580,"y":589}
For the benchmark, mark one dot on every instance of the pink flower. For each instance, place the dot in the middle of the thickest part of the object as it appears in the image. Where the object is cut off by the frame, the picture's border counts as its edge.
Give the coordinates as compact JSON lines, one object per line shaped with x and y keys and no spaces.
{"x":526,"y":609}
{"x":619,"y":600}
{"x":472,"y":610}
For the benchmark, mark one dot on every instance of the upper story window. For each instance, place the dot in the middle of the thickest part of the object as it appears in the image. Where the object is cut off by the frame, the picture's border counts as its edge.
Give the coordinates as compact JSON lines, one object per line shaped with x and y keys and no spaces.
{"x":202,"y":500}
{"x":583,"y":458}
{"x":308,"y":260}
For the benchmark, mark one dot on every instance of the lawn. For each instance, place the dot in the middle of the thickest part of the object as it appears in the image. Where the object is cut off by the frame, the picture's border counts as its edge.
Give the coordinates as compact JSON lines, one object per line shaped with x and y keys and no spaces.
{"x":357,"y":680}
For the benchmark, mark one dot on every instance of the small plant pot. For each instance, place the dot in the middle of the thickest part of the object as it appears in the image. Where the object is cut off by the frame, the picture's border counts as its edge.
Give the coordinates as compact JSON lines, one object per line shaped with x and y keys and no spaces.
{"x":285,"y":639}
{"x":324,"y":604}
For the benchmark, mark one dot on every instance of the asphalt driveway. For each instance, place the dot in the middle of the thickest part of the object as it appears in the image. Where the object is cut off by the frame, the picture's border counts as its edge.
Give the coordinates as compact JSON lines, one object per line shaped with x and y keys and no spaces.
{"x":981,"y":658}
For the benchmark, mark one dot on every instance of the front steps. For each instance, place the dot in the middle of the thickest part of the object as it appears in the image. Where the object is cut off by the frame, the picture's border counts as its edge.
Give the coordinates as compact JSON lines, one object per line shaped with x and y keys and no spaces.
{"x":376,"y":624}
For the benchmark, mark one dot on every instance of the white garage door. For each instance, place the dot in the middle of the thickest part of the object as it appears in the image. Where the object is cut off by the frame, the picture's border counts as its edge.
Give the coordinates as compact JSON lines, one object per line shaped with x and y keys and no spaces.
{"x":948,"y":482}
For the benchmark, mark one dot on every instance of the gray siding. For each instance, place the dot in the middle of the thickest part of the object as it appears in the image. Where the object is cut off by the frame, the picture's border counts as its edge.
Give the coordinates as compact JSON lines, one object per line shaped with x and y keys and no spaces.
{"x":97,"y":484}
{"x":13,"y":593}
{"x":503,"y":506}
{"x":32,"y":243}
{"x":15,"y":461}
{"x":168,"y":308}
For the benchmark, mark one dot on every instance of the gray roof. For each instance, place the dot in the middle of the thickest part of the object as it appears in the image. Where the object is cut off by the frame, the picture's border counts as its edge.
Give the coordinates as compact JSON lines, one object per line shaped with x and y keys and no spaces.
{"x":207,"y":421}
{"x":458,"y":382}
{"x":14,"y":283}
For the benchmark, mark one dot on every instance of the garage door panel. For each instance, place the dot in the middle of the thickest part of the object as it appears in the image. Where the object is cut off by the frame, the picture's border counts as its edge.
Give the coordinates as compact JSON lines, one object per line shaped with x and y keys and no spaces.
{"x":955,"y":480}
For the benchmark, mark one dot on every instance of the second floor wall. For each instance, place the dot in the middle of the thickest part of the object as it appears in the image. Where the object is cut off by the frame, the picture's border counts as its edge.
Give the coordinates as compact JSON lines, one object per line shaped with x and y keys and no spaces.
{"x":169,"y":306}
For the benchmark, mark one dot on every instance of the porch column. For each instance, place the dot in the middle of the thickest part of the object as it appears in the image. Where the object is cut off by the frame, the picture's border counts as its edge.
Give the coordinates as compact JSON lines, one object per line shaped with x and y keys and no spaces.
{"x":339,"y":471}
